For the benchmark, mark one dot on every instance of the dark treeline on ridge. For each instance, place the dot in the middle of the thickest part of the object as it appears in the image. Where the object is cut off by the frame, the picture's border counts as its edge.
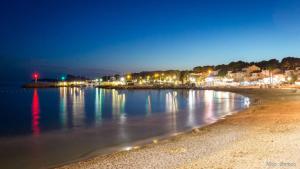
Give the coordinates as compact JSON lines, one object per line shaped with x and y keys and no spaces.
{"x":285,"y":64}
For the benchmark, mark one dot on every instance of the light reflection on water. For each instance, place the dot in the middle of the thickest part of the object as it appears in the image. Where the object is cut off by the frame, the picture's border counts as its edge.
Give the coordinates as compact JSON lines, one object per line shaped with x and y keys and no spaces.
{"x":171,"y":102}
{"x":98,"y":104}
{"x":118,"y":104}
{"x":63,"y":105}
{"x":199,"y":106}
{"x":35,"y":114}
{"x":148,"y":105}
{"x":49,"y":120}
{"x":78,"y":102}
{"x":191,"y":107}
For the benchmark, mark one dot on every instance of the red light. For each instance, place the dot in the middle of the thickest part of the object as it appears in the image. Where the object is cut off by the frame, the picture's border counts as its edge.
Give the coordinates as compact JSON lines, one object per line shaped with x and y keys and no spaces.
{"x":35,"y":113}
{"x":35,"y":76}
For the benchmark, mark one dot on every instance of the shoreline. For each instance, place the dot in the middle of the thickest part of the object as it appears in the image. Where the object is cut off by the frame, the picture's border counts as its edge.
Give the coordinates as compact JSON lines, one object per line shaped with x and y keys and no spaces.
{"x":41,"y":85}
{"x":262,"y":97}
{"x":144,"y":143}
{"x":151,"y":140}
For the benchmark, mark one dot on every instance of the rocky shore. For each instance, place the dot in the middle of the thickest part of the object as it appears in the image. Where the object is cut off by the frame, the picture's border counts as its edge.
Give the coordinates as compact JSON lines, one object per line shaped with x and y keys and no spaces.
{"x":266,"y":135}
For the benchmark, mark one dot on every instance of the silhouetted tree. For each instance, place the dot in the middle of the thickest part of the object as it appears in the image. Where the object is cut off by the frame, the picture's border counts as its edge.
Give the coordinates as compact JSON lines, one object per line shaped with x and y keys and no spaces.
{"x":290,"y":63}
{"x":117,"y":76}
{"x":183,"y":76}
{"x":269,"y":65}
{"x":203,"y":69}
{"x":106,"y":78}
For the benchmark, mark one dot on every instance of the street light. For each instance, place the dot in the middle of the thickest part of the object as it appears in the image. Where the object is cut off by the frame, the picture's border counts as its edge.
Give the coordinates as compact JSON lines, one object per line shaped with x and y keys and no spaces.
{"x":289,"y":79}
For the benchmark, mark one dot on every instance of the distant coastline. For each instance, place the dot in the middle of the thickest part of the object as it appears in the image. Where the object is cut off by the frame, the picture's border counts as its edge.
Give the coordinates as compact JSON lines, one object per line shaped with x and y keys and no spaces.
{"x":264,"y":74}
{"x":142,"y":87}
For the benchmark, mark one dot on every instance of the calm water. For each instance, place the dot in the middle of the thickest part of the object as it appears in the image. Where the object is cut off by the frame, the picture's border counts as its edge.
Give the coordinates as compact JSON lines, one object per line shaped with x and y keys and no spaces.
{"x":46,"y":127}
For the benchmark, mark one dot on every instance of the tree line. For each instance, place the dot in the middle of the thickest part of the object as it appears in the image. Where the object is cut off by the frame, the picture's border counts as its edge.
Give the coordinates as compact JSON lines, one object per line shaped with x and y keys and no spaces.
{"x":287,"y":63}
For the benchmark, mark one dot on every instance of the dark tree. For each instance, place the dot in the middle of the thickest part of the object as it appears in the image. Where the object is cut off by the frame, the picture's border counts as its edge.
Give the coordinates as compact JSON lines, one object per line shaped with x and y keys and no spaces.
{"x":106,"y":78}
{"x":237,"y":66}
{"x":203,"y":69}
{"x":269,"y":65}
{"x":117,"y":76}
{"x":183,"y":75}
{"x":290,"y":63}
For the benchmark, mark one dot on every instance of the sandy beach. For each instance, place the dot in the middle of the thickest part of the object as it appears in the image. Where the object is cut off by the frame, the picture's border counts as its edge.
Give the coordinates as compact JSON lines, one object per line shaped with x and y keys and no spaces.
{"x":267,"y":135}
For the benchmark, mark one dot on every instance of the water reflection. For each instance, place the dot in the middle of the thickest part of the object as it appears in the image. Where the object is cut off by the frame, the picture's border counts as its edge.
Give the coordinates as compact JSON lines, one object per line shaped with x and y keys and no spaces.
{"x":124,"y":117}
{"x":118,"y":112}
{"x":171,"y":105}
{"x":91,"y":107}
{"x":226,"y":97}
{"x":63,"y":105}
{"x":191,"y":107}
{"x":99,"y":98}
{"x":35,"y":113}
{"x":118,"y":104}
{"x":78,"y":102}
{"x":171,"y":102}
{"x":148,"y":105}
{"x":209,"y":116}
{"x":246,"y":102}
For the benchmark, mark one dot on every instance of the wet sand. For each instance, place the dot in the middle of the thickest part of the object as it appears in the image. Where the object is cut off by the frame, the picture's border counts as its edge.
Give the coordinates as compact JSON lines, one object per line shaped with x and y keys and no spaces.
{"x":267,"y":135}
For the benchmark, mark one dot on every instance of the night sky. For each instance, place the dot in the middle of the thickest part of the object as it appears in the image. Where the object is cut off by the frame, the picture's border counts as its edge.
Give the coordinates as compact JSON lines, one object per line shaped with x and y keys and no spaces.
{"x":87,"y":37}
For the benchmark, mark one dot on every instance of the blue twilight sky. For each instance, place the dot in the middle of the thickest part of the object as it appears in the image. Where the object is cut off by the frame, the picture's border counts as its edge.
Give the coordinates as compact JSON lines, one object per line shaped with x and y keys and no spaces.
{"x":91,"y":37}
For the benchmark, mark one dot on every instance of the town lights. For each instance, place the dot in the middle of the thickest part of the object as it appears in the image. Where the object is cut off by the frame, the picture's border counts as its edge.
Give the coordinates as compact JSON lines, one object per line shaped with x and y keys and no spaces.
{"x":209,"y":79}
{"x":122,"y":79}
{"x":193,"y":80}
{"x":128,"y":77}
{"x":35,"y":76}
{"x":63,"y":78}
